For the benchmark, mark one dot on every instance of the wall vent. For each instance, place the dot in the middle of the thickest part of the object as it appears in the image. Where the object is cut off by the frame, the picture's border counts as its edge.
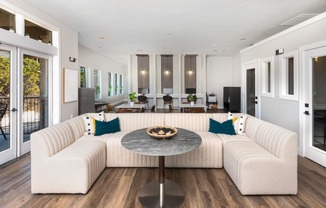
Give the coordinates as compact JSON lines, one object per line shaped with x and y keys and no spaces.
{"x":298,"y":19}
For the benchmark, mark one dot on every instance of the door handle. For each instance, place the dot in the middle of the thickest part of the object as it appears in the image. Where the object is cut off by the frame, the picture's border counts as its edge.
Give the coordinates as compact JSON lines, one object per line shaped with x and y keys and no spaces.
{"x":13,"y":109}
{"x":306,"y":113}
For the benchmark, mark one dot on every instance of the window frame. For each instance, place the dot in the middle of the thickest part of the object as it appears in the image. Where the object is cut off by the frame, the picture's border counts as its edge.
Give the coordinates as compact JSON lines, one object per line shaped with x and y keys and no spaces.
{"x":264,"y":77}
{"x":98,"y":74}
{"x":121,"y":84}
{"x":284,"y":84}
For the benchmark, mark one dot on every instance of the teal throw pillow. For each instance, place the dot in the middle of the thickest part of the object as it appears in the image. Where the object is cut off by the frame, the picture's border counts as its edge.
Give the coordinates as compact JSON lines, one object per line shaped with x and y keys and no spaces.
{"x":103,"y":127}
{"x":221,"y":128}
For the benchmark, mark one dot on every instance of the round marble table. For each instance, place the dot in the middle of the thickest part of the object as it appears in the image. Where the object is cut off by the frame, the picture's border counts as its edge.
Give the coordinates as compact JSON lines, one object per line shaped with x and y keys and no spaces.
{"x":161,"y":193}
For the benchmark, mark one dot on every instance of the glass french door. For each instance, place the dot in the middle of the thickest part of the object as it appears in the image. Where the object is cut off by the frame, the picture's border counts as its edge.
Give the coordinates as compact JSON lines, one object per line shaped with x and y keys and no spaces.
{"x":315,"y":103}
{"x":24,"y":99}
{"x":8,"y":103}
{"x":251,"y":91}
{"x":34,"y":97}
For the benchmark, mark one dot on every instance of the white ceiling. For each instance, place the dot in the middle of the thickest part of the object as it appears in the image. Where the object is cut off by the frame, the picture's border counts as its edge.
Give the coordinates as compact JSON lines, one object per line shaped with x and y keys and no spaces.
{"x":221,"y":27}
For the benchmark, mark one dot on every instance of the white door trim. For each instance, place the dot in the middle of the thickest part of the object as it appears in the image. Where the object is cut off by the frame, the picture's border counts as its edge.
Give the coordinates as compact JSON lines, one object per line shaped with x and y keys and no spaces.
{"x":11,"y":153}
{"x":245,"y":66}
{"x":305,"y":96}
{"x":24,"y":147}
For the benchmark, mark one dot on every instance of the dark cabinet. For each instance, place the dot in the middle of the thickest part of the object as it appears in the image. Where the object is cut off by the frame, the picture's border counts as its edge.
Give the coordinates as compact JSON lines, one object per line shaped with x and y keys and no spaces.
{"x":231,"y":99}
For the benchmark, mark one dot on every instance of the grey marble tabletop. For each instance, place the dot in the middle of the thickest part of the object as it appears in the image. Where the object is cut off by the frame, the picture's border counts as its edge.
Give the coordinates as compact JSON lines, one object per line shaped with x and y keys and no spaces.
{"x":140,"y":142}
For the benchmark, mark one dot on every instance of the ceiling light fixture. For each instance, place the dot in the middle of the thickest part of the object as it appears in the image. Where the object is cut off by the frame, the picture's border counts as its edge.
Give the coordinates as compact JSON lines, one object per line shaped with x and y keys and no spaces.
{"x":190,"y":71}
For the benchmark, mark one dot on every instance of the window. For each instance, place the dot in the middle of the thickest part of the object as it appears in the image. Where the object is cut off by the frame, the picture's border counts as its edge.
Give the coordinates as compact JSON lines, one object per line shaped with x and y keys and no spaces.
{"x":121,"y":84}
{"x":97,"y":83}
{"x":166,"y":72}
{"x":7,"y":20}
{"x":109,"y":84}
{"x":190,"y":74}
{"x":267,"y":69}
{"x":115,"y":84}
{"x":82,"y":77}
{"x":37,"y":32}
{"x":289,"y":76}
{"x":143,"y":71}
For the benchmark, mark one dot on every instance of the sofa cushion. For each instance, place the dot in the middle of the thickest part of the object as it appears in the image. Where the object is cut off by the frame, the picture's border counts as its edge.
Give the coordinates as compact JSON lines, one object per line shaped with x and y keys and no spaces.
{"x":255,"y":170}
{"x":118,"y":156}
{"x":89,"y":122}
{"x":221,"y":128}
{"x":198,"y":122}
{"x":72,"y":170}
{"x":134,"y":121}
{"x":207,"y":155}
{"x":107,"y":127}
{"x":239,"y":122}
{"x":228,"y":138}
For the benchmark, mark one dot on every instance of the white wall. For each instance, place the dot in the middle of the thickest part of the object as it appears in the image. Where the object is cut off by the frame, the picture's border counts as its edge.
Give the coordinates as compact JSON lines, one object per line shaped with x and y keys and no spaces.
{"x":90,"y":59}
{"x":219,"y":75}
{"x":279,"y":111}
{"x":68,"y":47}
{"x":236,"y":70}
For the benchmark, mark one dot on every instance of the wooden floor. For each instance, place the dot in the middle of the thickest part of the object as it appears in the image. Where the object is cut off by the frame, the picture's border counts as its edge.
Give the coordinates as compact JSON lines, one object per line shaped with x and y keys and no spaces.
{"x":118,"y":187}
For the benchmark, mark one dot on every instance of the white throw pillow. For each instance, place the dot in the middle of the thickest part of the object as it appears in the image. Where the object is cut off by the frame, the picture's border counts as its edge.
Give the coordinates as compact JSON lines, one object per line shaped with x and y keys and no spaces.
{"x":239,"y":123}
{"x":89,"y":122}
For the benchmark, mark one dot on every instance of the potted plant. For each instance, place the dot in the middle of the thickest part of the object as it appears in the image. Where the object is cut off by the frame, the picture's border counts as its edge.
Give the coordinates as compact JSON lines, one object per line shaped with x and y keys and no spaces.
{"x":191,"y":98}
{"x":132,"y":97}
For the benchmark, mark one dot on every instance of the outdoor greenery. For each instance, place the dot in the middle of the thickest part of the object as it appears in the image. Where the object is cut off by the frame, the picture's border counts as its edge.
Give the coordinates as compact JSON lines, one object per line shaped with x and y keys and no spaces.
{"x":82,"y":77}
{"x":5,"y":76}
{"x":109,"y":90}
{"x":31,"y":77}
{"x":97,"y":91}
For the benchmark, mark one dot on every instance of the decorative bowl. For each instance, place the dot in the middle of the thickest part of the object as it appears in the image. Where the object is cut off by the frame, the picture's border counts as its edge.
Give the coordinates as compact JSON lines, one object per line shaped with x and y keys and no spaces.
{"x":162,"y":132}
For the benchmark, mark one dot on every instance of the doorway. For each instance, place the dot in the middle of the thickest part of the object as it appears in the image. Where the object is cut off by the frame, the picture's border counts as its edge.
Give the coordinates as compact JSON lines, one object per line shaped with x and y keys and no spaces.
{"x":8,"y":101}
{"x":251,"y":91}
{"x":24,"y":99}
{"x":315,"y":98}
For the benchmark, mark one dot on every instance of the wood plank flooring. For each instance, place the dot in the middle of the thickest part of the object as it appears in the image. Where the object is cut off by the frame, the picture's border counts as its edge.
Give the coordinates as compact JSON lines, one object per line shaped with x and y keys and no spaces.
{"x":119,"y":187}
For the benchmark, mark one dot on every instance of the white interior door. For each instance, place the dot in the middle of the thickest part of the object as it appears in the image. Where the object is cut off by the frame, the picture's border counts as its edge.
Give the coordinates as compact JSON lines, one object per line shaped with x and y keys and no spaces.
{"x":315,"y":104}
{"x":250,"y":88}
{"x":8,"y":103}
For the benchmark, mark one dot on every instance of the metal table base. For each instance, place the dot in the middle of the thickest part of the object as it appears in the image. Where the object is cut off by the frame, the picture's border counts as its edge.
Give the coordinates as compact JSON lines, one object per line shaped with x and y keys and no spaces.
{"x":161,"y":193}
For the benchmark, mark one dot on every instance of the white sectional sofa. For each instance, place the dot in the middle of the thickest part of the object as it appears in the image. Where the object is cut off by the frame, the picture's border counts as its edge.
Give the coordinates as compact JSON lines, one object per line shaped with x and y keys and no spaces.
{"x":263,"y":161}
